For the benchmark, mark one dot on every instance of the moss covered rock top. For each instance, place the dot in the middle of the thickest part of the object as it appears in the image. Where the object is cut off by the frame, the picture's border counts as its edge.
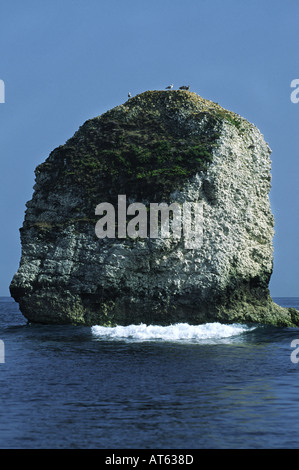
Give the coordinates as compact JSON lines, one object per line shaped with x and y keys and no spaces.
{"x":148,"y":145}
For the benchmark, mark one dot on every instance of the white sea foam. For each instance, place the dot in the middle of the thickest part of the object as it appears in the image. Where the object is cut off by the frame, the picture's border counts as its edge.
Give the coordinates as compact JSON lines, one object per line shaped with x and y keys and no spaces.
{"x":182,"y":332}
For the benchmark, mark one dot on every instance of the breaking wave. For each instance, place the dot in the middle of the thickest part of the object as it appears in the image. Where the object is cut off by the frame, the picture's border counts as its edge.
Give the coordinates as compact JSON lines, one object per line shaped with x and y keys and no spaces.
{"x":179,"y":332}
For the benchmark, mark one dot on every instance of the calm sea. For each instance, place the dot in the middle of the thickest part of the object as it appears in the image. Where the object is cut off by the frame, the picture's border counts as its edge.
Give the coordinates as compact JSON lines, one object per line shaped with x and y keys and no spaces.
{"x":144,"y":387}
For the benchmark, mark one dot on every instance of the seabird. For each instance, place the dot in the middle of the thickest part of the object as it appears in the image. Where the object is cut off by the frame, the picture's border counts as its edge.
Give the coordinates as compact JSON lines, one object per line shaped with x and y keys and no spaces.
{"x":129,"y":95}
{"x":169,"y":87}
{"x":184,"y":87}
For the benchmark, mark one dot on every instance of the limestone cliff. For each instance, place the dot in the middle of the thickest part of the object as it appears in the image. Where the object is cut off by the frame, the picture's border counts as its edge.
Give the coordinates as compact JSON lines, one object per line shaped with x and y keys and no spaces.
{"x":160,"y":146}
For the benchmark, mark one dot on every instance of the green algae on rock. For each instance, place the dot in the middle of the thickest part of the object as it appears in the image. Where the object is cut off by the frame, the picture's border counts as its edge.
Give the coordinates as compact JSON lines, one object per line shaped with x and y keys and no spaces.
{"x":159,"y":146}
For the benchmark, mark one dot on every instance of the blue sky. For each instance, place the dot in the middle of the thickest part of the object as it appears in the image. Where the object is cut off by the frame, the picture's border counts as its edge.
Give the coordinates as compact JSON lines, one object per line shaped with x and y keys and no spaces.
{"x":66,"y":61}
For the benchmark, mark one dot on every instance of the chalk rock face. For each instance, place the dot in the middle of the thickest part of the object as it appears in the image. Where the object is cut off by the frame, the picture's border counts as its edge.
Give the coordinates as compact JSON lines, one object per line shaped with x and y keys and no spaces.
{"x":160,"y":146}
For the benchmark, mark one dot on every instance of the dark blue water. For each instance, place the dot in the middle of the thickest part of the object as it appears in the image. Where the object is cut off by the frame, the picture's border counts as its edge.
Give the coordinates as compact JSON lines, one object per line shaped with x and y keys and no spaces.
{"x":140,"y":388}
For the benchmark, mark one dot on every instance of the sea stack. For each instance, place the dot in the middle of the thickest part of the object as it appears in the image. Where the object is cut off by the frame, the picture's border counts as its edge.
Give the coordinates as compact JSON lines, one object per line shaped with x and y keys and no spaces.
{"x":158,"y":147}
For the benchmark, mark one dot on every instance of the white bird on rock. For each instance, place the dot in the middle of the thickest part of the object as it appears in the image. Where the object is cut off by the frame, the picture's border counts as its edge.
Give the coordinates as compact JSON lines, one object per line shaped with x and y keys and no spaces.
{"x":169,"y":87}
